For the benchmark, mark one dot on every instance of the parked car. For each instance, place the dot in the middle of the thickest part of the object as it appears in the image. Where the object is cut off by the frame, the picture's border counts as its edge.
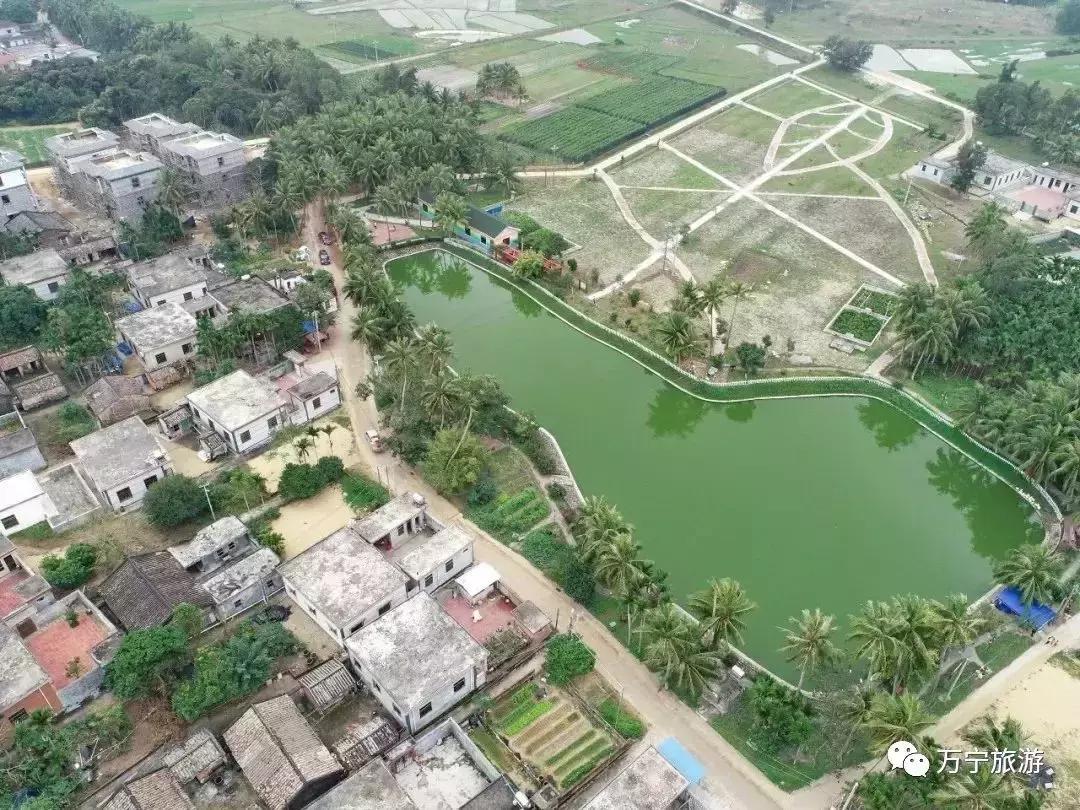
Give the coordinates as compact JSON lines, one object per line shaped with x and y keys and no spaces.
{"x":324,"y":257}
{"x":374,"y":439}
{"x":326,"y":238}
{"x":272,"y":613}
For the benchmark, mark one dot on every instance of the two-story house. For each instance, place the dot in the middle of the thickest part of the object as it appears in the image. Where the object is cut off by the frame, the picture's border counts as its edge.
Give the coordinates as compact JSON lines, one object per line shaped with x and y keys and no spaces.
{"x":122,"y":461}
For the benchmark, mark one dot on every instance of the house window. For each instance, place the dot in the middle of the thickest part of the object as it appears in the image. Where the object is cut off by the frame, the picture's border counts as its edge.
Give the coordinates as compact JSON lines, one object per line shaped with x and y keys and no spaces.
{"x":54,"y":286}
{"x":384,"y":608}
{"x":238,"y":603}
{"x":483,"y":240}
{"x":25,"y":628}
{"x":148,"y":481}
{"x":459,"y":685}
{"x":425,"y":709}
{"x":397,"y":711}
{"x":430,"y":578}
{"x":221,"y":161}
{"x":245,"y":436}
{"x":136,"y":182}
{"x":316,"y":403}
{"x":375,"y":687}
{"x":356,"y":627}
{"x":449,"y":565}
{"x":468,"y":231}
{"x":5,"y":199}
{"x":160,"y":357}
{"x":1073,"y":209}
{"x":160,"y":303}
{"x":10,"y":522}
{"x":186,"y":348}
{"x":188,"y":296}
{"x":935,"y":172}
{"x":410,"y":586}
{"x":123,"y":494}
{"x":401,"y":529}
{"x":271,"y":422}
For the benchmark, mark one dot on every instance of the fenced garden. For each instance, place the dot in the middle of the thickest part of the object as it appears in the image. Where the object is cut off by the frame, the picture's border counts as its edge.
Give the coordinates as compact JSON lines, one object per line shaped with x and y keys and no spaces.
{"x":865,"y":315}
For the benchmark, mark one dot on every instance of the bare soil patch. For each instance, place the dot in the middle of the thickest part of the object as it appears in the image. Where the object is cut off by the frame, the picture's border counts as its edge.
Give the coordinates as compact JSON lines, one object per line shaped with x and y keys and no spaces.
{"x":661,"y":168}
{"x":662,"y":212}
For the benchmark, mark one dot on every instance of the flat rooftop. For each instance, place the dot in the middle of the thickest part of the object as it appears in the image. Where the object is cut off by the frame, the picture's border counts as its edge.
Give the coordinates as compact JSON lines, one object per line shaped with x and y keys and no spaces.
{"x":81,"y":142}
{"x":386,"y":518}
{"x":415,"y":651}
{"x":495,"y":612}
{"x":650,"y":782}
{"x":57,"y":643}
{"x":19,"y":587}
{"x":372,"y":787}
{"x":240,"y":575}
{"x":18,"y":488}
{"x":445,"y":778}
{"x":251,"y":295}
{"x":157,"y":327}
{"x":209,"y":539}
{"x":165,"y":274}
{"x":20,"y":674}
{"x":236,"y":400}
{"x":116,"y":164}
{"x":424,"y":554}
{"x":343,"y":576}
{"x":119,"y":453}
{"x":41,"y":265}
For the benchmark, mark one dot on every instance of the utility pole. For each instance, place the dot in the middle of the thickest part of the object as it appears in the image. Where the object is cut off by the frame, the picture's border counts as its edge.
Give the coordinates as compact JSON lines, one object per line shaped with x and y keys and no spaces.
{"x":318,"y":340}
{"x":206,"y":491}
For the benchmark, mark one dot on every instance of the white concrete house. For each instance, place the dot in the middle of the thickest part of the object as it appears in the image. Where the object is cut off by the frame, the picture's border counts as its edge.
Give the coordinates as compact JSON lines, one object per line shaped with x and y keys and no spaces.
{"x":244,"y":411}
{"x":23,"y":503}
{"x":313,"y":397}
{"x":650,"y":782}
{"x":44,"y":272}
{"x":418,"y":662}
{"x":170,"y":279}
{"x":16,"y":195}
{"x":997,"y":173}
{"x":160,"y":335}
{"x":122,"y":461}
{"x":213,"y":546}
{"x":243,"y":583}
{"x":431,"y":561}
{"x":343,"y":583}
{"x":390,"y":526}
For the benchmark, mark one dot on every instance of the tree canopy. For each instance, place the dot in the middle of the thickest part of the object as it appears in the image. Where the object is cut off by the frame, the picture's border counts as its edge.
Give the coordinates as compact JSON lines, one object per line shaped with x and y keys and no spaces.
{"x":847,"y":54}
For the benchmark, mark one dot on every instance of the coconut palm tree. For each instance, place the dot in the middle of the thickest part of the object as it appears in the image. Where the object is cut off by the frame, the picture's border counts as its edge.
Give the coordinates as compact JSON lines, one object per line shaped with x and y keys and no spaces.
{"x":929,"y":337}
{"x":303,"y":447}
{"x":674,"y":650}
{"x":435,"y":346}
{"x":972,"y":406}
{"x":599,"y":524}
{"x":873,"y":632}
{"x":173,"y":191}
{"x":712,"y":294}
{"x":313,"y":433}
{"x":986,"y":734}
{"x":678,"y":335}
{"x":957,"y":629}
{"x":915,"y":626}
{"x":399,"y":357}
{"x":722,"y":608}
{"x":450,"y":209}
{"x":327,"y":430}
{"x":808,"y":645}
{"x":896,"y":717}
{"x":1033,"y":570}
{"x":1067,"y":469}
{"x":975,"y":790}
{"x":986,"y":227}
{"x":854,"y":708}
{"x":439,"y":396}
{"x":617,"y":564}
{"x":737,"y":292}
{"x":1037,"y":448}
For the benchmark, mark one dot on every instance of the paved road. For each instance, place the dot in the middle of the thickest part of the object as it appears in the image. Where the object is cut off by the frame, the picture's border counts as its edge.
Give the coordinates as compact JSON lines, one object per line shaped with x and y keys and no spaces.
{"x":734,"y":781}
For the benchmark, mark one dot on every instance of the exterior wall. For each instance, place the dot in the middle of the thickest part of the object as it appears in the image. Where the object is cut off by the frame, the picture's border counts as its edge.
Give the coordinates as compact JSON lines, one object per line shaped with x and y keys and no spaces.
{"x":260,"y":432}
{"x":173,"y":352}
{"x":214,"y":183}
{"x":934,"y":174}
{"x":339,"y":634}
{"x":328,"y":401}
{"x":15,"y":194}
{"x":252,"y":595}
{"x":996,"y":181}
{"x":137,"y":486}
{"x":1055,"y":183}
{"x":1072,"y":209}
{"x":123,"y":200}
{"x":178,"y":296}
{"x":26,"y":513}
{"x":462,"y":560}
{"x":49,"y":288}
{"x":441,"y":701}
{"x":43,"y":698}
{"x":213,"y":561}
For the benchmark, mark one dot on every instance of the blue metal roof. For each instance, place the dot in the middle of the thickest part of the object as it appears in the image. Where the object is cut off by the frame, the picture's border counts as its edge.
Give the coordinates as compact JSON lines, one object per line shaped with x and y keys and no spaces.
{"x":681,"y":760}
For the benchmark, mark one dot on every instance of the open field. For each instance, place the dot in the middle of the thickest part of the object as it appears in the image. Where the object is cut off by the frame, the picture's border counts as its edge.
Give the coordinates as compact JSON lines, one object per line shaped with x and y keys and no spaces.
{"x":732,"y":143}
{"x":584,"y":212}
{"x":30,"y":141}
{"x":659,"y":167}
{"x":662,"y":212}
{"x":915,"y":22}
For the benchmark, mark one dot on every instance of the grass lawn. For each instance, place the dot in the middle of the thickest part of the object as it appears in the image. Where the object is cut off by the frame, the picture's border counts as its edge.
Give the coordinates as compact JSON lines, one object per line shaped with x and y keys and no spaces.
{"x":30,"y":141}
{"x":899,"y":154}
{"x":790,"y":98}
{"x":510,"y":470}
{"x":944,"y":391}
{"x":836,"y":180}
{"x":662,"y":212}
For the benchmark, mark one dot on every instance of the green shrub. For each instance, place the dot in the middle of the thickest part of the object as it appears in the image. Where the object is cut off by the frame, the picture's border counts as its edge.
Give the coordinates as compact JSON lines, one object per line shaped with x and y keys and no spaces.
{"x":362,"y":493}
{"x":567,"y":658}
{"x":545,"y":551}
{"x":75,"y":422}
{"x":71,"y":570}
{"x":173,"y":500}
{"x":524,"y":717}
{"x":331,"y":468}
{"x":623,"y":722}
{"x":271,"y":540}
{"x":577,"y":580}
{"x":556,"y":491}
{"x":299,"y":481}
{"x":484,"y":491}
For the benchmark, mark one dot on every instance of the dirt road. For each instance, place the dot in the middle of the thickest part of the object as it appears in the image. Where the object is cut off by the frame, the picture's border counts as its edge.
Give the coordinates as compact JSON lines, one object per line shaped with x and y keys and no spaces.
{"x":732,"y":780}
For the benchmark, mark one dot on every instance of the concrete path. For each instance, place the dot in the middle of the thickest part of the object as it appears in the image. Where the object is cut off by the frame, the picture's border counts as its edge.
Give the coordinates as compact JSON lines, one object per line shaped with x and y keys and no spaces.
{"x":782,"y":130}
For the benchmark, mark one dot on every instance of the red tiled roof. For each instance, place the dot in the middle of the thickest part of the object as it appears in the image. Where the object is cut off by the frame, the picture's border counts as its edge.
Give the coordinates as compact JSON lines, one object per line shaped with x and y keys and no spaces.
{"x":10,"y":598}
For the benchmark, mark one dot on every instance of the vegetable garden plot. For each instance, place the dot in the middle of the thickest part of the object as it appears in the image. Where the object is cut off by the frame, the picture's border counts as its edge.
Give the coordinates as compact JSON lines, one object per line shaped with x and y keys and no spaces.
{"x":631,"y":62}
{"x":574,"y":134}
{"x":653,"y":100}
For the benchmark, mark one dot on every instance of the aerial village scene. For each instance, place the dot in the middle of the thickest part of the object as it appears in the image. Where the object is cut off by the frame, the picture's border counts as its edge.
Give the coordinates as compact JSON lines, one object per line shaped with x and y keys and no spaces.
{"x":494,"y":404}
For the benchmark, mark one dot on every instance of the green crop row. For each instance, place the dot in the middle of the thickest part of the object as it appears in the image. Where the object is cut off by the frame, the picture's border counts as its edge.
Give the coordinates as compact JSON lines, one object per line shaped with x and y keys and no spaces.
{"x":630,"y":62}
{"x":653,"y":100}
{"x":574,"y":133}
{"x":584,"y":769}
{"x":524,"y":716}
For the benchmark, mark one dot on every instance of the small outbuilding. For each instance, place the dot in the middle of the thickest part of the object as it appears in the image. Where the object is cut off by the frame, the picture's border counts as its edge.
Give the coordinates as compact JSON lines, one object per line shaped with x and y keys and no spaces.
{"x":159,"y":790}
{"x":160,"y":335}
{"x":372,"y":787}
{"x":44,"y":272}
{"x":650,"y":782}
{"x":243,"y":583}
{"x":214,"y":546}
{"x":327,"y":685}
{"x":115,"y":397}
{"x":145,"y":590}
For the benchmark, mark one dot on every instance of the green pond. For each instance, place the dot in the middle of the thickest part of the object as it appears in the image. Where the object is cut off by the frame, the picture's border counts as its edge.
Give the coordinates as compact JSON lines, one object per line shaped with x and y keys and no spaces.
{"x":820,"y":502}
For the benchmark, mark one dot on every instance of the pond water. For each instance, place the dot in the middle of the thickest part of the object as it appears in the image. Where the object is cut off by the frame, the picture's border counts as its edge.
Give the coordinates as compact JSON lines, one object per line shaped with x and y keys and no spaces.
{"x":823,"y":502}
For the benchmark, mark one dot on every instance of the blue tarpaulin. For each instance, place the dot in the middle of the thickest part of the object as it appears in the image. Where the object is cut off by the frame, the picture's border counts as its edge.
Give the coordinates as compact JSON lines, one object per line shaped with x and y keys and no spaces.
{"x":1036,"y":615}
{"x":681,"y":760}
{"x":309,"y":327}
